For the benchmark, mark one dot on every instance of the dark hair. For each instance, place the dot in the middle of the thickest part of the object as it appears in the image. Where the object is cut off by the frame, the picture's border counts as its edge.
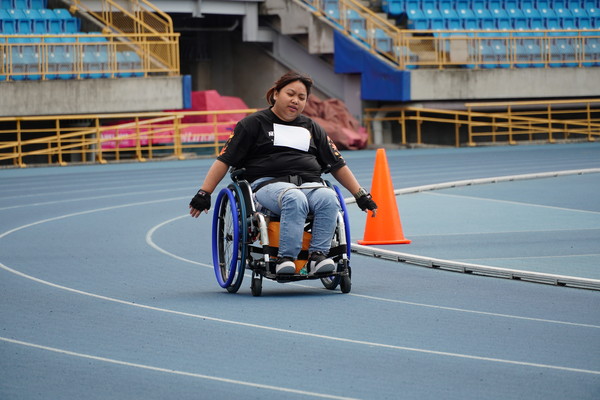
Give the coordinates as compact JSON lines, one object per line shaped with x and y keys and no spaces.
{"x":285,"y":80}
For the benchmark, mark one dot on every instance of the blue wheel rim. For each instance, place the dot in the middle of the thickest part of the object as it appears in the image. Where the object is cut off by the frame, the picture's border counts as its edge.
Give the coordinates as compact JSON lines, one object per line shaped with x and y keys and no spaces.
{"x":215,"y":238}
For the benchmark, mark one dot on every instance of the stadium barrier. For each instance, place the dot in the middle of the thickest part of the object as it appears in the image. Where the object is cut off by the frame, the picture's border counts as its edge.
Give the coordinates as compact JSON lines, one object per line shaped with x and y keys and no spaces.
{"x":114,"y":137}
{"x":455,"y":46}
{"x":494,"y":122}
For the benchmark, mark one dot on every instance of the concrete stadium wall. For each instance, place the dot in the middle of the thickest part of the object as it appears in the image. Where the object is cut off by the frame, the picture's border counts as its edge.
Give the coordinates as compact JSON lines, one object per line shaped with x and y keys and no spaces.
{"x":502,"y":83}
{"x":90,"y":96}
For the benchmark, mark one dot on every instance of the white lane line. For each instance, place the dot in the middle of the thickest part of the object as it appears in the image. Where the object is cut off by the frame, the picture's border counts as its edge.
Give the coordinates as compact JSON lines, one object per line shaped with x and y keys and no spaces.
{"x":249,"y":325}
{"x":108,"y":196}
{"x":305,"y":334}
{"x":503,"y":232}
{"x":512,"y":202}
{"x":150,"y":241}
{"x":174,"y":371}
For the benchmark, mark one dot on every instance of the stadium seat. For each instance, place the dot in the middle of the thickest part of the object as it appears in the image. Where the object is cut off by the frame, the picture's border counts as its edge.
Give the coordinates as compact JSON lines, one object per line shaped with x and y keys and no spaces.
{"x":406,"y":53}
{"x":38,"y":24}
{"x":129,"y":64}
{"x":21,"y":4}
{"x":416,"y":19}
{"x":357,"y":25}
{"x":69,"y":23}
{"x":38,"y":4}
{"x":581,"y":18}
{"x":468,"y":19}
{"x":395,"y":7}
{"x":562,"y":54}
{"x":94,"y":56}
{"x":53,"y":24}
{"x":61,"y":57}
{"x":3,"y":65}
{"x":332,"y":9}
{"x":22,"y":23}
{"x":25,"y":57}
{"x":383,"y":42}
{"x":7,"y":23}
{"x":592,"y":52}
{"x":451,"y":19}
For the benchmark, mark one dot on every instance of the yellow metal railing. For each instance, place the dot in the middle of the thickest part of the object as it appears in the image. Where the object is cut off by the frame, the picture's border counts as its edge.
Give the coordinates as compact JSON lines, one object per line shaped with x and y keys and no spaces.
{"x":409,"y":48}
{"x":137,"y":17}
{"x":496,"y":122}
{"x":98,"y":138}
{"x":136,"y":41}
{"x":80,"y":56}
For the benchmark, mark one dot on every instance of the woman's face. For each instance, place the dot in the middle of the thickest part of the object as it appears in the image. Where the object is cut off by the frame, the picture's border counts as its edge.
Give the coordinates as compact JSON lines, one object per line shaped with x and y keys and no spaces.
{"x":290,"y":101}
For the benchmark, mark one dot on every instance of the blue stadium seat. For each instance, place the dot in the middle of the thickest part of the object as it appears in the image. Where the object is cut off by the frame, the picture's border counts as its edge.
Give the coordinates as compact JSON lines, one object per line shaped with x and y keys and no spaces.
{"x":562,"y":54}
{"x":53,"y":24}
{"x":428,"y":5}
{"x":527,"y":5}
{"x":592,"y":52}
{"x":416,"y":19}
{"x":38,"y":4}
{"x":477,"y":5}
{"x":405,"y":52}
{"x":21,"y":4}
{"x":94,"y":56}
{"x":7,"y":23}
{"x":7,"y":4}
{"x":3,"y":66}
{"x":447,"y":5}
{"x":332,"y":9}
{"x":22,"y":23}
{"x":565,"y":17}
{"x":395,"y":7}
{"x":436,"y":22}
{"x":38,"y":24}
{"x":451,"y":19}
{"x":61,"y":57}
{"x":383,"y":42}
{"x":69,"y":23}
{"x":581,"y":17}
{"x":25,"y":58}
{"x":357,"y":25}
{"x":468,"y":19}
{"x":127,"y":63}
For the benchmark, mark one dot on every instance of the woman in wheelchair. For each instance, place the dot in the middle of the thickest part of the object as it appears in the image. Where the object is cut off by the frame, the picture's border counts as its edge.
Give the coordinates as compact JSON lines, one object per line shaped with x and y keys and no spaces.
{"x":283,"y":155}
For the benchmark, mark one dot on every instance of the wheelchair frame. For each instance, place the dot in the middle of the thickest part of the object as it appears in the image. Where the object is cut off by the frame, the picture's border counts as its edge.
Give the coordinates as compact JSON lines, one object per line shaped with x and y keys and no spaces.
{"x":240,"y":240}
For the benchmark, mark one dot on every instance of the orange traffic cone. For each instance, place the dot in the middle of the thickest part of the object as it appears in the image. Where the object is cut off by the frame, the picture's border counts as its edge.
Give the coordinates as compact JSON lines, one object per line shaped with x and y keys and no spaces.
{"x":385,"y":227}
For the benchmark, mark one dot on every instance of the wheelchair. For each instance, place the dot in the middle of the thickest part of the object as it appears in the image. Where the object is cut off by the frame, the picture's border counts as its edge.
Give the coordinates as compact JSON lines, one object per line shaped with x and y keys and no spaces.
{"x":242,"y":239}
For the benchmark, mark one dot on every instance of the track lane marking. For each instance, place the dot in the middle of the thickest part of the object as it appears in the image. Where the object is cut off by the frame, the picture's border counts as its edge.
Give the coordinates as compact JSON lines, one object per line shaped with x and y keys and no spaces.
{"x":174,"y":371}
{"x":151,"y":243}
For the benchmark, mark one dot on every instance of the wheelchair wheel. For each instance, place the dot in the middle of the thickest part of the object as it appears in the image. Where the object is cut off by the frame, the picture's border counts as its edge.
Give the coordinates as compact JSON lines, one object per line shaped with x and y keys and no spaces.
{"x":256,"y":285}
{"x":228,"y":247}
{"x":331,"y":282}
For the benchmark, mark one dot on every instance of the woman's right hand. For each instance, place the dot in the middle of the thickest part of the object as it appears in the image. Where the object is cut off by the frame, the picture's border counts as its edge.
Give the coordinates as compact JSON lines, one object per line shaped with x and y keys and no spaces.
{"x":200,"y":202}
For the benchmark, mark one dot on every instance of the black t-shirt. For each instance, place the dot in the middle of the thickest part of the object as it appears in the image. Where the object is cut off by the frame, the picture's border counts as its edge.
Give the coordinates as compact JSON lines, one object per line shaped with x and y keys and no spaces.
{"x":252,"y":147}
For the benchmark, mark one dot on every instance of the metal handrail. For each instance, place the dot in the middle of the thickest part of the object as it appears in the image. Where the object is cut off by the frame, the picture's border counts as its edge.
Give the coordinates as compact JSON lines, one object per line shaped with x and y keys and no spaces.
{"x":143,"y":136}
{"x":441,"y":49}
{"x":506,"y":122}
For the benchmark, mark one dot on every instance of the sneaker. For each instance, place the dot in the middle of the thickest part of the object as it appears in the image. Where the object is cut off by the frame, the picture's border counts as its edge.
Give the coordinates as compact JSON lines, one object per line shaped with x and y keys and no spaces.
{"x":285,"y":266}
{"x":319,"y":264}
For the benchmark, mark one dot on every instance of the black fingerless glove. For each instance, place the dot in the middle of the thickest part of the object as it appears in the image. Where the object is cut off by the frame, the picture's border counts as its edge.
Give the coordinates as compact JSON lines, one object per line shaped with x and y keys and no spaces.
{"x":201,"y":201}
{"x":364,"y":200}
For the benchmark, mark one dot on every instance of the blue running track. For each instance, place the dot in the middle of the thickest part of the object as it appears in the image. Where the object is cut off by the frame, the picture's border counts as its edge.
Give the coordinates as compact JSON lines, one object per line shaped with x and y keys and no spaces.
{"x":107,"y":289}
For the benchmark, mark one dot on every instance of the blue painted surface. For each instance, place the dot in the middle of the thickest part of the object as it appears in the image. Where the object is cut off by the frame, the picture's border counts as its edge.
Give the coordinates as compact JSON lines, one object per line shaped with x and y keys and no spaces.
{"x":107,"y":290}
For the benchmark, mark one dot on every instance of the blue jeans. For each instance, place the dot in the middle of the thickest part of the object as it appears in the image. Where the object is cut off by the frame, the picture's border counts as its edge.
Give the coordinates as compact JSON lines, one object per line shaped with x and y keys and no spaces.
{"x":293,"y":203}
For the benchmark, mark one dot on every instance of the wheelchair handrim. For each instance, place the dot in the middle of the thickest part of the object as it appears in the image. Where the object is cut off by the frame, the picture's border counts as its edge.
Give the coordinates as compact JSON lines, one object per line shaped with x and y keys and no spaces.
{"x":235,"y":240}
